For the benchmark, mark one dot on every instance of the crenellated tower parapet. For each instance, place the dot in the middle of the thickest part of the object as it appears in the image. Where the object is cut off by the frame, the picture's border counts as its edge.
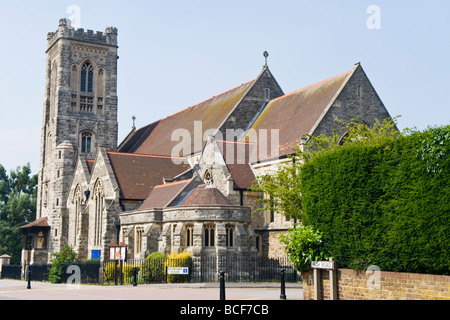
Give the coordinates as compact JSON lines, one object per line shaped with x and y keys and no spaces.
{"x":66,"y":31}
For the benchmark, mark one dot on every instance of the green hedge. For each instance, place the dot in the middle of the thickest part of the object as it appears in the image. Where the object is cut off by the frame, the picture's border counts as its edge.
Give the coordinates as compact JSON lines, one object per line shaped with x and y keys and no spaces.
{"x":386,"y":204}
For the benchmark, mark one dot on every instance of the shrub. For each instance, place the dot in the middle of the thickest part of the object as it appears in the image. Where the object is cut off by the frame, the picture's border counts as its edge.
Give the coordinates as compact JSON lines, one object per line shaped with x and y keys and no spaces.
{"x":303,"y":246}
{"x":181,"y":259}
{"x":384,"y":204}
{"x":153,"y":268}
{"x":65,"y":256}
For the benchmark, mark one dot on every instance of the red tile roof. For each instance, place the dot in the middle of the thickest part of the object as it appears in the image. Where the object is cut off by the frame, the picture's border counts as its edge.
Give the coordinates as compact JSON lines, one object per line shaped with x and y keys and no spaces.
{"x":294,"y":115}
{"x":39,"y":223}
{"x":156,"y":137}
{"x":237,"y":157}
{"x":137,"y":174}
{"x":161,"y":195}
{"x":204,"y":195}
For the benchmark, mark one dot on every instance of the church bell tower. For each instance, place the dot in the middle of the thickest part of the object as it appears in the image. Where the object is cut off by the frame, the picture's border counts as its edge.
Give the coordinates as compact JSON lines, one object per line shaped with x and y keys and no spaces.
{"x":80,"y":115}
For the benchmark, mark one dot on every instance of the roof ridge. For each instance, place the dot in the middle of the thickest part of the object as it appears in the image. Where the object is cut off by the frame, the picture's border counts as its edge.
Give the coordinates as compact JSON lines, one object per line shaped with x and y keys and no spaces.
{"x":171,"y":183}
{"x":312,"y":85}
{"x":236,"y":142}
{"x":143,"y":155}
{"x":215,"y":96}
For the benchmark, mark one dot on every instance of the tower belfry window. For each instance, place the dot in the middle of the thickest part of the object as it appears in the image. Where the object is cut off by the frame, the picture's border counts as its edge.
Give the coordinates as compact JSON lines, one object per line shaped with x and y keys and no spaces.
{"x":87,"y":78}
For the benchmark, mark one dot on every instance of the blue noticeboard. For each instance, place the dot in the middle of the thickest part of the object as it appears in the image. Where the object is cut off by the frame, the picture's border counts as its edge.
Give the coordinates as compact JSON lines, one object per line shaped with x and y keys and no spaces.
{"x":95,"y":254}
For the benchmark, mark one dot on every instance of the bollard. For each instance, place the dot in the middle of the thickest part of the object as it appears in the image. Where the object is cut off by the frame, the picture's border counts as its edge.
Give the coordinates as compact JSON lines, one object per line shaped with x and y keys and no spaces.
{"x":283,"y":287}
{"x":135,"y":277}
{"x":29,"y":276}
{"x":222,"y":285}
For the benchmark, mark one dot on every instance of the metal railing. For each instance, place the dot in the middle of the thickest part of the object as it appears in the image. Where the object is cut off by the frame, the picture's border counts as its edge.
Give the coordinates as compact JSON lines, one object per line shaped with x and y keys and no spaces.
{"x":201,"y":269}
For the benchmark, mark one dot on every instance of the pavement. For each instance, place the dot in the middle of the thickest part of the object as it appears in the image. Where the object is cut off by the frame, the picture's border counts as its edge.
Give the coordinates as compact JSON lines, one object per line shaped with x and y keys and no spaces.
{"x":17,"y":290}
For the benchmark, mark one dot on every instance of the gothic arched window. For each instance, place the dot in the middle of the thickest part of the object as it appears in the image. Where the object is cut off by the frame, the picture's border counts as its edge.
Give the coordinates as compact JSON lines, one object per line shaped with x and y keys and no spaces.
{"x":99,"y":206}
{"x":87,"y":78}
{"x":209,"y":235}
{"x":78,"y":201}
{"x":86,"y":142}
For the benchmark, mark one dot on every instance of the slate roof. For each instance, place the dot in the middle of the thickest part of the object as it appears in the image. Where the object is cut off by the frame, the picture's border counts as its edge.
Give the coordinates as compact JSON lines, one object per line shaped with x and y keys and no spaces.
{"x":156,"y":137}
{"x":295,"y":114}
{"x":138,"y":174}
{"x":204,"y":195}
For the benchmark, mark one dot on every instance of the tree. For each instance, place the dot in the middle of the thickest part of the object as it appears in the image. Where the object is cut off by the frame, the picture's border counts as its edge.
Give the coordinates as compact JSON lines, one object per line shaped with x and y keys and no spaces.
{"x":18,"y":196}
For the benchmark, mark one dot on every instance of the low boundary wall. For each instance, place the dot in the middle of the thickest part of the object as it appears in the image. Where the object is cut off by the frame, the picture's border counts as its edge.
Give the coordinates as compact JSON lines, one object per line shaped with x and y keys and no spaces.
{"x":379,"y":285}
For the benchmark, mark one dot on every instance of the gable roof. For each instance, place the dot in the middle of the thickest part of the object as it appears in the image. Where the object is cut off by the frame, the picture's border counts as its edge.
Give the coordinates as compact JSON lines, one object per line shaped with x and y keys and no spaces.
{"x":294,"y":115}
{"x":237,"y":159}
{"x":156,"y":137}
{"x":161,"y":195}
{"x":137,"y":174}
{"x":204,"y":195}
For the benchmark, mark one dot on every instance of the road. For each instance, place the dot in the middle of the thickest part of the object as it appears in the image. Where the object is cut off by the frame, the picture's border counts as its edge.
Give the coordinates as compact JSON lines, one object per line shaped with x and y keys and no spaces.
{"x":17,"y":290}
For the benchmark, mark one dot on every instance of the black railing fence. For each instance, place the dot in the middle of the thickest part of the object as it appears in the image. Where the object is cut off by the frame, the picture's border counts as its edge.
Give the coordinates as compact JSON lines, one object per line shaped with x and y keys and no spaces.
{"x":202,"y":269}
{"x":199,"y":269}
{"x":11,"y":271}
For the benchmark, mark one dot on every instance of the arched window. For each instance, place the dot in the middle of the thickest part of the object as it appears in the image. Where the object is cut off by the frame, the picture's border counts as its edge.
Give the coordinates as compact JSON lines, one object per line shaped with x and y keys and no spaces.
{"x":208,"y":177}
{"x":98,"y":218}
{"x":209,"y":235}
{"x":230,"y":236}
{"x":86,"y":142}
{"x":189,"y":236}
{"x":78,"y":201}
{"x":87,"y":78}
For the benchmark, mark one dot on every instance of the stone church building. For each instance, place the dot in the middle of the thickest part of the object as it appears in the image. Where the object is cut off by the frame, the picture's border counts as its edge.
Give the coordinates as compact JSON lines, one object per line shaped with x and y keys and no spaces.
{"x":179,"y":183}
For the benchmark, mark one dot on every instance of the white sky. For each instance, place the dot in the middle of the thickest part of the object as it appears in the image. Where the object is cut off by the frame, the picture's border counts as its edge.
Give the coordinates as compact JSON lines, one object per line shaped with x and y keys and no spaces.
{"x":174,"y":54}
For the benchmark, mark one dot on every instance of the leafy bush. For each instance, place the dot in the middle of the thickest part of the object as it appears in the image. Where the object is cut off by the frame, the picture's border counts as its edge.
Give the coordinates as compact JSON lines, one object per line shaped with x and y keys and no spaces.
{"x":303,"y":246}
{"x":153,"y":267}
{"x":65,"y":256}
{"x":181,"y":259}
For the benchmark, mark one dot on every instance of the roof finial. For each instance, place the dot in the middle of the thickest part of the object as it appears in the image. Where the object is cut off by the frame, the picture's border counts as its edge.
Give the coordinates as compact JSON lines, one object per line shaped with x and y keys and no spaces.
{"x":265,"y":54}
{"x":134,"y":124}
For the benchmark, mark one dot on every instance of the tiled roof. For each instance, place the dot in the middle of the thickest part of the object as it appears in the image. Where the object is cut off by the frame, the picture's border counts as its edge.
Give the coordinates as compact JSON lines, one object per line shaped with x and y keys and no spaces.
{"x":90,"y":164}
{"x":295,"y":114}
{"x":236,"y":157}
{"x":204,"y":195}
{"x":156,"y":137}
{"x":161,"y":195}
{"x":137,"y":174}
{"x":40,"y":223}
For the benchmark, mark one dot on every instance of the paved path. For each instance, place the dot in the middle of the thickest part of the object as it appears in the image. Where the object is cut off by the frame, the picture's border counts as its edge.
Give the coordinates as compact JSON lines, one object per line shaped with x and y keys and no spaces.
{"x":17,"y":290}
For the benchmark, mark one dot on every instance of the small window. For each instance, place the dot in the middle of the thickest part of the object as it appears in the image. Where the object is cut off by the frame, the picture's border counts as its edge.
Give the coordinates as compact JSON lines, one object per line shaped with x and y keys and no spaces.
{"x":267,"y":94}
{"x":230,"y":236}
{"x":189,"y":236}
{"x":258,"y":243}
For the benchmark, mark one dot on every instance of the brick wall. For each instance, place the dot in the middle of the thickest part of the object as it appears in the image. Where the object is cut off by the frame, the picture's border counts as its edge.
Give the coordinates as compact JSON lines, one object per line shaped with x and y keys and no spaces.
{"x":361,"y":285}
